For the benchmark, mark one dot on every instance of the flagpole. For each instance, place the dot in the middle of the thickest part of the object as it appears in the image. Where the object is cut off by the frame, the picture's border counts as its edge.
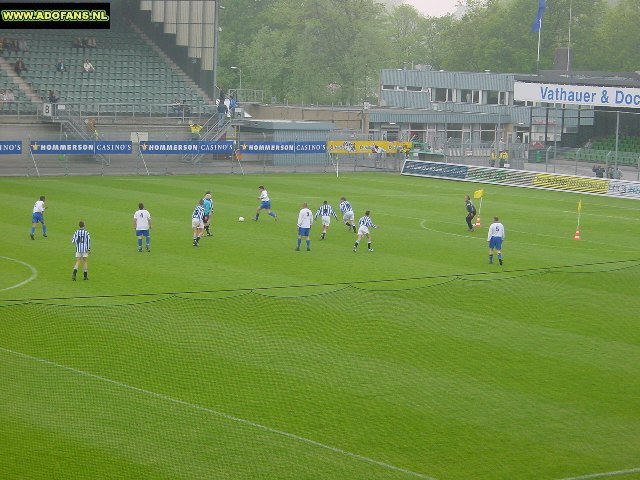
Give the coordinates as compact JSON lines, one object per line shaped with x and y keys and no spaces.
{"x":539,"y":35}
{"x":579,"y":212}
{"x":569,"y":41}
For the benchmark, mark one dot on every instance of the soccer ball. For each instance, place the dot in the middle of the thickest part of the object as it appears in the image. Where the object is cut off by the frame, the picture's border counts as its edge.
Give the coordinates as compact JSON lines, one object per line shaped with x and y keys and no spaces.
{"x":241,"y":219}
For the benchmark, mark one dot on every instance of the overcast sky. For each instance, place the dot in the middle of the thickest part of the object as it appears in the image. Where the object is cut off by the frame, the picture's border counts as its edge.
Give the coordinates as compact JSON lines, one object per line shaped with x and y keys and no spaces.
{"x":433,"y":8}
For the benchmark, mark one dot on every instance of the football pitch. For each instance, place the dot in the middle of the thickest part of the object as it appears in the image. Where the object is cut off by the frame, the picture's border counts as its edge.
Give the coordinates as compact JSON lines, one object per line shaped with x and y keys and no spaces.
{"x":245,"y":359}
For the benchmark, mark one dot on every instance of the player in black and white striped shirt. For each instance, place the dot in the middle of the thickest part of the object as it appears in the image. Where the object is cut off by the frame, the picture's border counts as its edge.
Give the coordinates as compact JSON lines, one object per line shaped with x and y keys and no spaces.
{"x":348,"y":216}
{"x":82,"y":240}
{"x":197,"y":222}
{"x":325,"y":212}
{"x":364,"y":222}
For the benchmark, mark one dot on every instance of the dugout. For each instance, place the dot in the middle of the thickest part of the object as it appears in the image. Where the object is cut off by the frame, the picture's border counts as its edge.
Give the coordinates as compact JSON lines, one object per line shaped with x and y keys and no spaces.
{"x":286,"y":131}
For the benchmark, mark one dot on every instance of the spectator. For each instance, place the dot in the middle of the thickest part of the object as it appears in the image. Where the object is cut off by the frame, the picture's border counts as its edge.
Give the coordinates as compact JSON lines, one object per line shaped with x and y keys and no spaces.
{"x":91,"y":42}
{"x":77,"y":43}
{"x":617,"y":173}
{"x":232,"y":105}
{"x":9,"y":99}
{"x":2,"y":96}
{"x":61,"y":66}
{"x":23,"y":46}
{"x":222,"y":112}
{"x":88,"y":66}
{"x":195,"y":131}
{"x":598,"y":170}
{"x":19,"y":66}
{"x":53,"y":98}
{"x":589,"y":144}
{"x":2,"y":45}
{"x":177,"y":107}
{"x":186,"y":110}
{"x":13,"y":46}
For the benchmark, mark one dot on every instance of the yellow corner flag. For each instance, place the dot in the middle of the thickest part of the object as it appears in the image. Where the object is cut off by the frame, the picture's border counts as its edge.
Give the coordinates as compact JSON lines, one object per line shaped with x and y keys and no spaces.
{"x":579,"y":206}
{"x":478,"y":193}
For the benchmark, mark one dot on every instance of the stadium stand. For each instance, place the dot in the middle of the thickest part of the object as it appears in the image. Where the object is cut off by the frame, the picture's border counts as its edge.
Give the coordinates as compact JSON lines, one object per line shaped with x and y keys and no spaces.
{"x":129,"y":73}
{"x":22,"y":103}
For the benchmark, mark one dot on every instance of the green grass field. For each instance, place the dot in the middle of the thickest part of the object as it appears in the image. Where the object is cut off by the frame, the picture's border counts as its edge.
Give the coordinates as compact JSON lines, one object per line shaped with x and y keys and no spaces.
{"x":244,"y":359}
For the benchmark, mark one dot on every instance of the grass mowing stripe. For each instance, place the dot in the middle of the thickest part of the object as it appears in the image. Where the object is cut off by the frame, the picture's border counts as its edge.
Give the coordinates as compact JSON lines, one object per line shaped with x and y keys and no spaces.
{"x":226,"y":416}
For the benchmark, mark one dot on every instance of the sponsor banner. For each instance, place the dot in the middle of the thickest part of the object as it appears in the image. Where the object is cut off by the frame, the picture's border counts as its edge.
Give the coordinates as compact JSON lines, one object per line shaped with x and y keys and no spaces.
{"x":433,"y":169}
{"x":9,"y":147}
{"x":179,"y":147}
{"x":577,"y":94}
{"x":620,"y":188}
{"x":283,"y":147}
{"x":367,"y":146}
{"x":505,"y":176}
{"x":572,"y":183}
{"x":79,"y":147}
{"x":522,"y":178}
{"x":55,"y":15}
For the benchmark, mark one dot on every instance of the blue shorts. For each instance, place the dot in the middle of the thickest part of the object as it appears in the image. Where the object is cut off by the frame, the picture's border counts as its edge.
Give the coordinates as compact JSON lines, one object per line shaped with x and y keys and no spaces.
{"x":303,"y":232}
{"x":495,"y":242}
{"x":144,"y":233}
{"x":265,"y":205}
{"x":37,"y":217}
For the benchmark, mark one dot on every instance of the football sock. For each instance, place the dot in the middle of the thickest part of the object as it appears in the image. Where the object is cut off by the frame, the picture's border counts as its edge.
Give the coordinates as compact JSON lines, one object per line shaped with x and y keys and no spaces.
{"x":44,"y":229}
{"x":356,"y":244}
{"x":257,"y":215}
{"x":354,"y":228}
{"x":369,"y":245}
{"x":308,"y":244}
{"x":33,"y":230}
{"x":500,"y":258}
{"x":139,"y":244}
{"x":490,"y":258}
{"x":299,"y":242}
{"x":272,"y":214}
{"x":75,"y":271}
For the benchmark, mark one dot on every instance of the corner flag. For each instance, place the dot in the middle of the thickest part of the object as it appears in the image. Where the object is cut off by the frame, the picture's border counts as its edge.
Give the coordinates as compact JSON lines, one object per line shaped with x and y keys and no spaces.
{"x":537,"y":24}
{"x":478,"y":193}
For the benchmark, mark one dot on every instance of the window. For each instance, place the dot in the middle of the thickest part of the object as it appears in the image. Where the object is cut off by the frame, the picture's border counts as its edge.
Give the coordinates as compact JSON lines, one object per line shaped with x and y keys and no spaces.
{"x":492,"y":97}
{"x":470,"y":96}
{"x":443,"y":95}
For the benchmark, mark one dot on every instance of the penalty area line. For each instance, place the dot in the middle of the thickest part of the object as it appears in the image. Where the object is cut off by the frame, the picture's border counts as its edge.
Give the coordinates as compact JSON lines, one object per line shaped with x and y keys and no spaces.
{"x":604,"y":474}
{"x":34,"y":274}
{"x":217,"y":413}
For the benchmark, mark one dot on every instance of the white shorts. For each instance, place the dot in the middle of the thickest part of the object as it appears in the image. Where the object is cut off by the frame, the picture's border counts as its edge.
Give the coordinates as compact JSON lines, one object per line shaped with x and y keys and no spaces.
{"x":197,"y":223}
{"x":363,"y":230}
{"x":82,"y":255}
{"x":348,"y":217}
{"x":326,"y":220}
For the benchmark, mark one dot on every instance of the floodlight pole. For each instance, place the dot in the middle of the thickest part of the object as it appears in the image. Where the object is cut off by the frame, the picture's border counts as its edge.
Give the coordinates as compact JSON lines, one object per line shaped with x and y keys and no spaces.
{"x":216,"y":28}
{"x":239,"y":70}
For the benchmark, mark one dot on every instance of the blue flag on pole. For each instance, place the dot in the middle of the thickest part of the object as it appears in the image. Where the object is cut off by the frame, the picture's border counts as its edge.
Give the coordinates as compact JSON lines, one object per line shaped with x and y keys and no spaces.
{"x":538,"y":22}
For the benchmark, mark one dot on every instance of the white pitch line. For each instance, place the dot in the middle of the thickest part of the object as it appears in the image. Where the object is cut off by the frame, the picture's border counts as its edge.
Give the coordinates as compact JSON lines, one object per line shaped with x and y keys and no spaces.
{"x":223,"y":415}
{"x":604,"y":474}
{"x":34,"y":274}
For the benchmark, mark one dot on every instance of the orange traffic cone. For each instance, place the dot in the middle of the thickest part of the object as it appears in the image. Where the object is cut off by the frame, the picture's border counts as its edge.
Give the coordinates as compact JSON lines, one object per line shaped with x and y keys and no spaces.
{"x":577,"y":235}
{"x":478,"y":221}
